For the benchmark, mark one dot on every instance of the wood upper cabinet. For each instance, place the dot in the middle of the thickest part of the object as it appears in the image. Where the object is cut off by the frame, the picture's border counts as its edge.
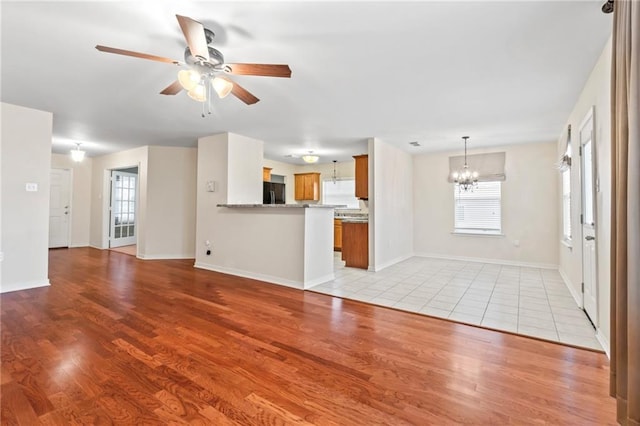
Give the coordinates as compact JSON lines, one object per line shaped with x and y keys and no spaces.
{"x":266,"y":174}
{"x":307,"y":186}
{"x":362,"y":176}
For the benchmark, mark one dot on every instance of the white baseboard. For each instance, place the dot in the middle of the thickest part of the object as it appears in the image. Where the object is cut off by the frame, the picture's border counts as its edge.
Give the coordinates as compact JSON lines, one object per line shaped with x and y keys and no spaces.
{"x":604,"y":342}
{"x":392,"y":262}
{"x":493,"y":261}
{"x":79,"y":245}
{"x":574,"y":293}
{"x":246,"y":274}
{"x":318,"y":281}
{"x":25,"y":285}
{"x":98,"y":247}
{"x":165,"y":256}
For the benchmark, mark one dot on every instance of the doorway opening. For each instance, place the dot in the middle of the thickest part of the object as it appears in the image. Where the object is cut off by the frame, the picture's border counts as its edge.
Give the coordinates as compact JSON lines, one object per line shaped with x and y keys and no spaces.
{"x":123,"y":230}
{"x":60,"y":208}
{"x":589,"y":185}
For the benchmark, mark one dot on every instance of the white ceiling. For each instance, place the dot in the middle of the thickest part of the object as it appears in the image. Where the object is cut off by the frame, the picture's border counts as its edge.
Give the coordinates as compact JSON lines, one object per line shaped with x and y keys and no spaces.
{"x":500,"y":72}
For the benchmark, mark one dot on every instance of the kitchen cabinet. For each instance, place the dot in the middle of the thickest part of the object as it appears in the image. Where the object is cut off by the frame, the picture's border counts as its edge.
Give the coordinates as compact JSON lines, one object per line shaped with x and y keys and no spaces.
{"x":355,"y":244}
{"x":307,"y":186}
{"x":266,"y":174}
{"x":337,"y":234}
{"x":362,"y":176}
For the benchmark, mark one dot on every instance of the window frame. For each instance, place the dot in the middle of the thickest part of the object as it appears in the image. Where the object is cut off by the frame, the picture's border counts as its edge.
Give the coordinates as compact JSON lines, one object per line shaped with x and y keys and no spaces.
{"x":567,"y":229}
{"x":356,"y":205}
{"x":477,"y":231}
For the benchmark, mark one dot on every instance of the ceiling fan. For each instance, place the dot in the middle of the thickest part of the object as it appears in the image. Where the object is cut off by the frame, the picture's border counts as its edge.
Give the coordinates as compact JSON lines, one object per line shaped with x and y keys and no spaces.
{"x":206,"y":67}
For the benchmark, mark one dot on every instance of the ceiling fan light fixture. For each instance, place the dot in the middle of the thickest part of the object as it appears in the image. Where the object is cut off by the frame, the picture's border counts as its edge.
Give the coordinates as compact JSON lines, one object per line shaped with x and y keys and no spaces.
{"x":222,"y":86}
{"x":198,"y":93}
{"x":76,"y":154}
{"x":189,"y":79}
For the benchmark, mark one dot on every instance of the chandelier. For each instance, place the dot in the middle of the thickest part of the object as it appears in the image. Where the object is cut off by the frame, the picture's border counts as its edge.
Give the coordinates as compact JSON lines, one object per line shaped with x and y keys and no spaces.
{"x":466,"y":179}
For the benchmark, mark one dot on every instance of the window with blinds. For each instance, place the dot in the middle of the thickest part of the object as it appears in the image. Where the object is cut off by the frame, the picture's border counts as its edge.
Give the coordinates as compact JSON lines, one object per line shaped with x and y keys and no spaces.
{"x":566,"y":205}
{"x":478,"y":211}
{"x":340,"y":192}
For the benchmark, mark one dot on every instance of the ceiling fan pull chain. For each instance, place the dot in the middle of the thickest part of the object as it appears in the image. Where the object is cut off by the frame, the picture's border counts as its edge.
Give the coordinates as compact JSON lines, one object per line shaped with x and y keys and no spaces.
{"x":203,"y":109}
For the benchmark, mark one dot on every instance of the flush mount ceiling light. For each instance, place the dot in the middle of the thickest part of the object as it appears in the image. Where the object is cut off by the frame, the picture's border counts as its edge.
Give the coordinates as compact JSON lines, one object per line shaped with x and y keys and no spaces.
{"x":76,"y":154}
{"x":466,"y":179}
{"x":310,"y":158}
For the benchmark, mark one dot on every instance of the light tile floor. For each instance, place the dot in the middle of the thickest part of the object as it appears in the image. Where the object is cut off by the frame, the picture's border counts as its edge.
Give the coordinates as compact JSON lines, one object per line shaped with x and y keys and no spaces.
{"x":528,"y":301}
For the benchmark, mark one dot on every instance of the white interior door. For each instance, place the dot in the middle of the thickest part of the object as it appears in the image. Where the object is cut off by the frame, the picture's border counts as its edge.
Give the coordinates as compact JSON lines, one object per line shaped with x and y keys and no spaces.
{"x":123,"y":230}
{"x":589,"y":270}
{"x":59,"y":208}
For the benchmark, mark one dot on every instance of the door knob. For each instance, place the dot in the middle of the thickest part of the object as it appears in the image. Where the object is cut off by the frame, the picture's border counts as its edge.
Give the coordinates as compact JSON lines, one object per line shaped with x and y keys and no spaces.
{"x":589,"y":238}
{"x":66,"y":212}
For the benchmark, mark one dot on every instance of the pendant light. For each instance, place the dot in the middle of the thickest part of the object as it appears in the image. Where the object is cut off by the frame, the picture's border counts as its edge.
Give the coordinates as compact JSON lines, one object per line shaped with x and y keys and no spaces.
{"x":334,"y":176}
{"x":466,"y":179}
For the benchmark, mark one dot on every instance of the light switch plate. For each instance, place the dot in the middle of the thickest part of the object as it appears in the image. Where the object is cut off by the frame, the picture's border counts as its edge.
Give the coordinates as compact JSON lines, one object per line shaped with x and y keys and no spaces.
{"x":31,"y":187}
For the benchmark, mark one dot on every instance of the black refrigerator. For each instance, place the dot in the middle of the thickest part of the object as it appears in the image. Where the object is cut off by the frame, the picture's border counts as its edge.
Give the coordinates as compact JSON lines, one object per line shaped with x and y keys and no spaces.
{"x":273,"y":193}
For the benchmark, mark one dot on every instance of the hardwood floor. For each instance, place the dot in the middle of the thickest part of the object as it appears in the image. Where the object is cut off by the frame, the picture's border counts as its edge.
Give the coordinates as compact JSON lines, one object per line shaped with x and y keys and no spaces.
{"x":131,"y":250}
{"x":120,"y":340}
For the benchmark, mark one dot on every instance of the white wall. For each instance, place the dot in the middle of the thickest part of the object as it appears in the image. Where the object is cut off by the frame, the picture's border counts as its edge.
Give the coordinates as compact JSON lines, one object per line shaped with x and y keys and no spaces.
{"x":100,"y":190}
{"x":596,"y":92}
{"x":244,"y":169}
{"x":26,"y":158}
{"x":80,"y":196}
{"x":288,"y":246}
{"x":170,"y":222}
{"x":391,"y":191}
{"x":529,"y":209}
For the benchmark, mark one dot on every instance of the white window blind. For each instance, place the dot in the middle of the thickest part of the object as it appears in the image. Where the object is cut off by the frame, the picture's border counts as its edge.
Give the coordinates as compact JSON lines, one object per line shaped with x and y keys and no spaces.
{"x":478,"y":211}
{"x":566,"y":204}
{"x":342,"y":192}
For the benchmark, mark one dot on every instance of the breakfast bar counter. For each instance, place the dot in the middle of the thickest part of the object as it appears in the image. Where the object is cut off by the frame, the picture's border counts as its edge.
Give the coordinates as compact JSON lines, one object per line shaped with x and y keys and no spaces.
{"x":286,"y":244}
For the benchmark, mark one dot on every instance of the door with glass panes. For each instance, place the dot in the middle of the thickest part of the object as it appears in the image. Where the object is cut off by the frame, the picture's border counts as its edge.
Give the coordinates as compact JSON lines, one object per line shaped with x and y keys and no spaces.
{"x":123,"y":208}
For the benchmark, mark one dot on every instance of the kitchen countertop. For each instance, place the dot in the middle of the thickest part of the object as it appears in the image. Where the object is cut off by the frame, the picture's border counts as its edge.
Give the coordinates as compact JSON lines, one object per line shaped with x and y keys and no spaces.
{"x":354,"y":220}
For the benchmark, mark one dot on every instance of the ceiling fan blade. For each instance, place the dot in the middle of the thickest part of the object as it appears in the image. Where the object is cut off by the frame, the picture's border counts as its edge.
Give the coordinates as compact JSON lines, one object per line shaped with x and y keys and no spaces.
{"x":241,"y":93}
{"x":194,"y":34}
{"x":266,"y":70}
{"x":172,"y":89}
{"x":136,"y":54}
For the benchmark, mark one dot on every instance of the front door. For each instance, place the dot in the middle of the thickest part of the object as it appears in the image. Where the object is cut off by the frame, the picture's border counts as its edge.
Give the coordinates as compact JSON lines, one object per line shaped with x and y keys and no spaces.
{"x":589,"y":272}
{"x":59,"y":208}
{"x":123,"y":230}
